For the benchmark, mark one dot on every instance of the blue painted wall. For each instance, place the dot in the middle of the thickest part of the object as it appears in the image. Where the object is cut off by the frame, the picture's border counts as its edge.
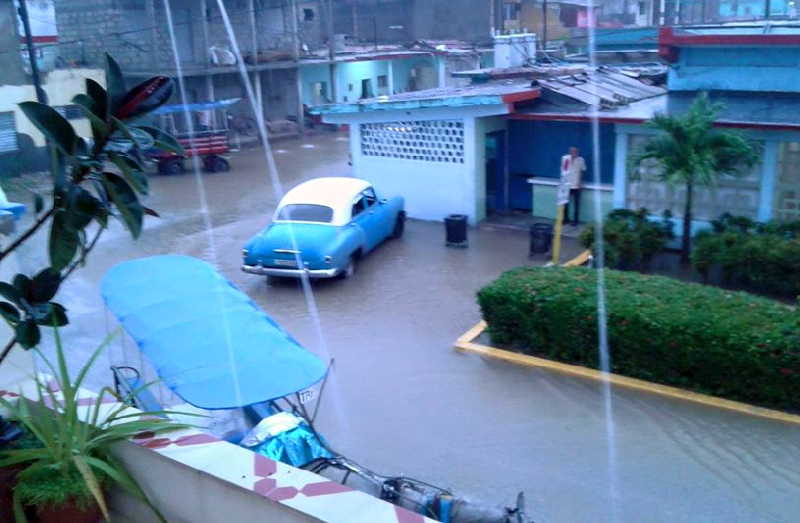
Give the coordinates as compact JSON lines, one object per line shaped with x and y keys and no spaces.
{"x":352,"y":73}
{"x":771,"y":69}
{"x":536,"y":147}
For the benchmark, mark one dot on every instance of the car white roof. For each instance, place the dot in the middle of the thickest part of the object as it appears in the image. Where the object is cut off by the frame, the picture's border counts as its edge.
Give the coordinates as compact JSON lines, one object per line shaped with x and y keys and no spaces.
{"x":335,"y":192}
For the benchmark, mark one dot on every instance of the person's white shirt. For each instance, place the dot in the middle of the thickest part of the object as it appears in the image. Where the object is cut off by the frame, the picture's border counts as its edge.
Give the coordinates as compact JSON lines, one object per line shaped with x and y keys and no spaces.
{"x":572,"y":170}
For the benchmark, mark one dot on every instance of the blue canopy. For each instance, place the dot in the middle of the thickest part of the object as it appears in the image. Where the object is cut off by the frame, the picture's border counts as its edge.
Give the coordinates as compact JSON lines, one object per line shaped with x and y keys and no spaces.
{"x":208,"y":341}
{"x":199,"y":106}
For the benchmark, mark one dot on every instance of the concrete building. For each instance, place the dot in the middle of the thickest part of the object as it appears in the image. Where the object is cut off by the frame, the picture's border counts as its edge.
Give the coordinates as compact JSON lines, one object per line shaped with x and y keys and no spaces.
{"x":297,"y":52}
{"x":513,"y":124}
{"x":21,"y":144}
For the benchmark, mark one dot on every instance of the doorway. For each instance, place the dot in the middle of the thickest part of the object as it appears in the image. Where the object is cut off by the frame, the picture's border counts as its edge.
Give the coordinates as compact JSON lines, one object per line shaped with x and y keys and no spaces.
{"x":496,"y":173}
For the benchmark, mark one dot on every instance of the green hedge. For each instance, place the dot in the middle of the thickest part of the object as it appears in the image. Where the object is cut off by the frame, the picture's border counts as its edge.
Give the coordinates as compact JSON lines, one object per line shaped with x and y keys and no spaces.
{"x":762,"y":257}
{"x":729,"y":344}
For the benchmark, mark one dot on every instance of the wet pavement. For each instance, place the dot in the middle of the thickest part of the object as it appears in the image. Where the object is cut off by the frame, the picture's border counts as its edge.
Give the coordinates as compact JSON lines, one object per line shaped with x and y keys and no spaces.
{"x":403,"y":401}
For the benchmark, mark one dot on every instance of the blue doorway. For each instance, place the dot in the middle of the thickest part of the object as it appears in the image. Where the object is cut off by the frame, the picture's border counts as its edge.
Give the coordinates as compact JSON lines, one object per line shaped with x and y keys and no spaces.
{"x":496,"y":172}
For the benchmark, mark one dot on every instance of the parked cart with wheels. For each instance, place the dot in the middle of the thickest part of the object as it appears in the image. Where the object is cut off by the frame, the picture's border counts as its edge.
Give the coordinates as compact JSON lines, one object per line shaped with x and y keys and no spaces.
{"x":205,"y":140}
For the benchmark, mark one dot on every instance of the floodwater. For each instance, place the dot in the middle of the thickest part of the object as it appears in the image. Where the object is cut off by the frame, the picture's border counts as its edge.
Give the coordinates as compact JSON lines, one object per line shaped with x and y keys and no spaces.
{"x":412,"y":405}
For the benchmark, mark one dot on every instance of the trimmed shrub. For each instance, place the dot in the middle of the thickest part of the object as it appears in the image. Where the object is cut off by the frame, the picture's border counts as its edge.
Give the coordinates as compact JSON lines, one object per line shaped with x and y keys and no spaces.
{"x":631,"y":239}
{"x":763,"y":257}
{"x":729,"y":344}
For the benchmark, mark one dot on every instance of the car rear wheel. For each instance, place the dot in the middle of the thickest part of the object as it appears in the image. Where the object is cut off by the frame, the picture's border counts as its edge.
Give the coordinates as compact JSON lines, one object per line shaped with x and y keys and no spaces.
{"x":399,"y":226}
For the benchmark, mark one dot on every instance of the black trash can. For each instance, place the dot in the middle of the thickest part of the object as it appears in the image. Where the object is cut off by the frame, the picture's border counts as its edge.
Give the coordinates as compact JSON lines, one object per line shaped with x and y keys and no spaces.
{"x":541,"y":238}
{"x":456,"y":228}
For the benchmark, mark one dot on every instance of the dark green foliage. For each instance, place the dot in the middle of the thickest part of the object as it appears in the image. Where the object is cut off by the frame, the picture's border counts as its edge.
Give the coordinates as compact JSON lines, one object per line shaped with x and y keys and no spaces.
{"x":729,"y":344}
{"x":763,"y":257}
{"x":52,"y":489}
{"x":84,"y":192}
{"x":692,"y":152}
{"x":631,"y":239}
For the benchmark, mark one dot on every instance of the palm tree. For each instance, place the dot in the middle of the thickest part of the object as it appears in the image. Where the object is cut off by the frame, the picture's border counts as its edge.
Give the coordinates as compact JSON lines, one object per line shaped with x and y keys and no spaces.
{"x":689,"y":150}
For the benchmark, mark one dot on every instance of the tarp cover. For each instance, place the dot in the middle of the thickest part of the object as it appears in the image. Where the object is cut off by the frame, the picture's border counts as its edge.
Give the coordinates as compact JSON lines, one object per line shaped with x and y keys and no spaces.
{"x":199,"y":106}
{"x":207,"y":340}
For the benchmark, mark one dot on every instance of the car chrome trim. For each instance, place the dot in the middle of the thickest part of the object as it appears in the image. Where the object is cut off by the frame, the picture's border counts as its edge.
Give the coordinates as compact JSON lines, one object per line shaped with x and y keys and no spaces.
{"x":290,"y":273}
{"x":287,"y":251}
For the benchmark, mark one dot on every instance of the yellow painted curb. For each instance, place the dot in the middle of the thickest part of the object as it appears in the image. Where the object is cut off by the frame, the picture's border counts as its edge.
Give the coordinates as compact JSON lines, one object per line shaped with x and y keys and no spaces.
{"x":466,"y":343}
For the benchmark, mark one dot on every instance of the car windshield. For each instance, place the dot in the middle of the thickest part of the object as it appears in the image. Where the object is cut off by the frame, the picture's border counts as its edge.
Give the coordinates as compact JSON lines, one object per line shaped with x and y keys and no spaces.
{"x":306,"y":213}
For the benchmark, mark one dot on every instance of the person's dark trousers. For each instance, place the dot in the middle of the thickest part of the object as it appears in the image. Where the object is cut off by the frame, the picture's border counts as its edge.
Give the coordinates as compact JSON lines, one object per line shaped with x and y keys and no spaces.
{"x":574,"y":199}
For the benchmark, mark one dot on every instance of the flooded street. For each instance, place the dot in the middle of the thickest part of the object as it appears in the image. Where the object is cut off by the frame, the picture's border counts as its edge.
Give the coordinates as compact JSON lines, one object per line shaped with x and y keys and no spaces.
{"x":402,"y":401}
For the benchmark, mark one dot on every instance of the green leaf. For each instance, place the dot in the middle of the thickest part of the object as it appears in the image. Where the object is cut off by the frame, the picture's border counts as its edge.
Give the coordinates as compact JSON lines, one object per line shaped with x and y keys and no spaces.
{"x":10,"y":292}
{"x":99,"y":126}
{"x":99,"y":98}
{"x":163,"y":140}
{"x":44,"y":286}
{"x":64,"y":242}
{"x":38,"y":203}
{"x":28,"y":334}
{"x":93,"y":484}
{"x":56,"y":316}
{"x":55,"y":127}
{"x":82,"y":207}
{"x":150,"y":212}
{"x":116,"y":83}
{"x":126,"y":202}
{"x":9,"y":312}
{"x":131,"y":172}
{"x":23,"y":285}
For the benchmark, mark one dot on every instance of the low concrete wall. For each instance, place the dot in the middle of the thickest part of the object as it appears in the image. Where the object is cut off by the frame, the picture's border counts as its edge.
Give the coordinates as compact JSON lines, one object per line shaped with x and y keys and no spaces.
{"x":192,"y":476}
{"x":187,"y":495}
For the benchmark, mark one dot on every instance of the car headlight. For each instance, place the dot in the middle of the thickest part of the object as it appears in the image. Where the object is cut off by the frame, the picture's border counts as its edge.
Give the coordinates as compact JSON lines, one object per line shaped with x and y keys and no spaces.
{"x":245,"y":252}
{"x":328,"y":259}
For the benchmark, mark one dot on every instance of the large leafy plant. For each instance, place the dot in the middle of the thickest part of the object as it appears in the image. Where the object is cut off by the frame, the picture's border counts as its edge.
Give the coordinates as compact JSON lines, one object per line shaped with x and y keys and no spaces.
{"x":692,"y":152}
{"x":92,"y":181}
{"x":75,"y":445}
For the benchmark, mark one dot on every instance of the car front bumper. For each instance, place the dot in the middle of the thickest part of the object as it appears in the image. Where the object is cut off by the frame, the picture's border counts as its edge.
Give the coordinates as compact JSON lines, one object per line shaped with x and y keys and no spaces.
{"x":290,"y":273}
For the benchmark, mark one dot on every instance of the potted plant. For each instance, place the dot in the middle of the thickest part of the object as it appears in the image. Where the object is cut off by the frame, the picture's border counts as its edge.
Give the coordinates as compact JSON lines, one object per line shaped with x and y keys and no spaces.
{"x":65,"y":478}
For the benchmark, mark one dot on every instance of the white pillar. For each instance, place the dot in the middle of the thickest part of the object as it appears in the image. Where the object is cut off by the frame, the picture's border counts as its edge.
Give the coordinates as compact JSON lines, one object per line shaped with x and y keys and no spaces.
{"x":620,"y":169}
{"x":769,"y":175}
{"x":441,"y":71}
{"x":390,"y":76}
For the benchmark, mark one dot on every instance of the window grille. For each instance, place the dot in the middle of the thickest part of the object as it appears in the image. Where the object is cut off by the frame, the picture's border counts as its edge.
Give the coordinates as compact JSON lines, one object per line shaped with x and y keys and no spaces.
{"x":427,"y":141}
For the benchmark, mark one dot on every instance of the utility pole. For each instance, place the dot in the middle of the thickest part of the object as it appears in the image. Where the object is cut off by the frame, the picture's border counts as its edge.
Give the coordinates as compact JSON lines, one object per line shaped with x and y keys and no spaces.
{"x":354,"y":14}
{"x":544,"y":26}
{"x":332,"y":52}
{"x":41,"y":96}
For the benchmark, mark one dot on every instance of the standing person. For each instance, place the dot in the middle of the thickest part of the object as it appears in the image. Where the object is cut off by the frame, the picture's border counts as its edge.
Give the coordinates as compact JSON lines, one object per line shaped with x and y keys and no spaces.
{"x":572,"y":168}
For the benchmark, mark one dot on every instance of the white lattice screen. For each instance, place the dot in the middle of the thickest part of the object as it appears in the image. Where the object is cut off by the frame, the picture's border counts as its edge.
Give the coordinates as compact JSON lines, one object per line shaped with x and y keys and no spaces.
{"x":427,"y":141}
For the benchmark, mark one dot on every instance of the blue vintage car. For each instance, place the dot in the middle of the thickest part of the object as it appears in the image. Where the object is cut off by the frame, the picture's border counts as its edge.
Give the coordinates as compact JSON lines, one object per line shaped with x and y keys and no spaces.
{"x":322,"y":227}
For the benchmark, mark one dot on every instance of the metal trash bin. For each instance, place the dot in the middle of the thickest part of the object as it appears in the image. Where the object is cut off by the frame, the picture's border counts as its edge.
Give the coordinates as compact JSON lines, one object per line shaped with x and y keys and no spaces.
{"x":541,"y":236}
{"x":456,"y":228}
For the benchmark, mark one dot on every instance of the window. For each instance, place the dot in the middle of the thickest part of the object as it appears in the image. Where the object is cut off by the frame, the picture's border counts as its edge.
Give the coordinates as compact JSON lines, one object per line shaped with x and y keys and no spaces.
{"x":383,"y":81}
{"x":787,"y":189}
{"x":70,"y":112}
{"x":511,"y":11}
{"x":369,"y":197}
{"x":427,"y":141}
{"x":8,"y":133}
{"x":306,"y":213}
{"x":642,"y":8}
{"x":359,"y":206}
{"x":308,"y":15}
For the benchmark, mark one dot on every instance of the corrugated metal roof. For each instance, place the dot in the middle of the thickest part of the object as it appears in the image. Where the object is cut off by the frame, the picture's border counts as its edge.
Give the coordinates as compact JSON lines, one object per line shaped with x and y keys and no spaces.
{"x":603,"y":87}
{"x":740,"y":109}
{"x":477,"y":94}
